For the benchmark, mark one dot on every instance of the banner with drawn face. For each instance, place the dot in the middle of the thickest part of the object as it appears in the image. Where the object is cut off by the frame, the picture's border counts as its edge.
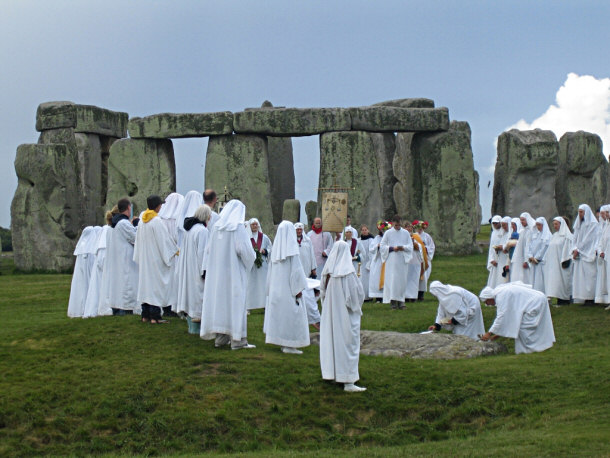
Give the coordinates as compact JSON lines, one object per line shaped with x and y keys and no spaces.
{"x":334,"y":211}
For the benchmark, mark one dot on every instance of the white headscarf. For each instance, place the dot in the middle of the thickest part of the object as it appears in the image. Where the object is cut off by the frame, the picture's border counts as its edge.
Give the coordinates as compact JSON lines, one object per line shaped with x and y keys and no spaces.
{"x":231,"y":216}
{"x":299,"y":226}
{"x":192,"y":201}
{"x":260,"y":228}
{"x":87,"y":243}
{"x":564,"y":230}
{"x":531,"y":222}
{"x":339,"y":262}
{"x":496,"y":219}
{"x":171,"y":208}
{"x":487,"y":293}
{"x":285,"y":243}
{"x":589,"y":216}
{"x":491,"y":293}
{"x":545,"y":234}
{"x":449,"y":297}
{"x":518,"y":225}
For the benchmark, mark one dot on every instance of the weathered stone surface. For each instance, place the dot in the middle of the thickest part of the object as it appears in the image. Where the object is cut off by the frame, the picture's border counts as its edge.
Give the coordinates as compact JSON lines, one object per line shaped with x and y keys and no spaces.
{"x":138,"y":168}
{"x":405,"y":167}
{"x":395,"y":119}
{"x":581,"y":173}
{"x":292,"y":211}
{"x":240,"y":162}
{"x":83,"y":118}
{"x":362,"y":161}
{"x":422,"y":346}
{"x":291,"y":122}
{"x":45,"y":218}
{"x":526,"y":173}
{"x":407,"y":103}
{"x":281,"y":171}
{"x":180,"y":125}
{"x":311,"y":210}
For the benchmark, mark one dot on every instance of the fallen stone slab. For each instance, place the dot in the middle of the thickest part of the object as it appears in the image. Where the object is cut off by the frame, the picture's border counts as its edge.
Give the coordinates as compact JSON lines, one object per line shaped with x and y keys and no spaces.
{"x":422,"y":346}
{"x":291,"y":122}
{"x":181,"y":125}
{"x":87,"y":119}
{"x":396,"y":119}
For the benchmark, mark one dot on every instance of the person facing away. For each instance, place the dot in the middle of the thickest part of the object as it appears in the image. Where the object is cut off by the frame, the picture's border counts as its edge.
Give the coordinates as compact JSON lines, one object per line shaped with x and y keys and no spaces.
{"x":154,"y":252}
{"x":228,"y":259}
{"x":286,"y":322}
{"x":119,"y":290}
{"x":396,"y":251}
{"x":342,"y":298}
{"x":83,"y":270}
{"x":523,"y":314}
{"x":458,"y":310}
{"x":210,"y":198}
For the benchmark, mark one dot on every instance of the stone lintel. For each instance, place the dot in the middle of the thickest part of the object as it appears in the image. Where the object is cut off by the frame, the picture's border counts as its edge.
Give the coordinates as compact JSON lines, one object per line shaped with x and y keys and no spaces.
{"x":181,"y":125}
{"x":83,"y":118}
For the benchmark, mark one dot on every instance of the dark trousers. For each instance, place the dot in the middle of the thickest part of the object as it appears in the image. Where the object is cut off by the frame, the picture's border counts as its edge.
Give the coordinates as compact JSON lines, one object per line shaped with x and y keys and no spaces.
{"x":121,"y":312}
{"x":151,"y":312}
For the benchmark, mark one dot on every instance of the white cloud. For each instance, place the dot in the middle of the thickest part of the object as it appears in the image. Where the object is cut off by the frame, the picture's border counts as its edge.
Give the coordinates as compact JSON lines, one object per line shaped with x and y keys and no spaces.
{"x":582,"y":103}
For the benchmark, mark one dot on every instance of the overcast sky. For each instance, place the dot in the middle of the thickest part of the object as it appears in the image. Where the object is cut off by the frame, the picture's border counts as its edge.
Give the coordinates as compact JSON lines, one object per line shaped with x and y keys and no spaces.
{"x":494,"y":64}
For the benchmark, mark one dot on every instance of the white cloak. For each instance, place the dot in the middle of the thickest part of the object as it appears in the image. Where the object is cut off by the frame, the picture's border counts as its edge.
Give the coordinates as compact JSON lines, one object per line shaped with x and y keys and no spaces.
{"x":190,"y":270}
{"x":497,"y":235}
{"x":83,"y":268}
{"x":256,"y":297}
{"x":308,"y":261}
{"x":154,"y":252}
{"x":228,"y":259}
{"x":413,"y":274}
{"x":120,"y":277}
{"x":463,"y":306}
{"x":375,"y":268}
{"x":584,"y":275}
{"x":365,"y":268}
{"x":396,"y":263}
{"x":523,"y":314}
{"x":322,"y":244}
{"x":92,"y":303}
{"x":558,"y":280}
{"x":603,"y":270}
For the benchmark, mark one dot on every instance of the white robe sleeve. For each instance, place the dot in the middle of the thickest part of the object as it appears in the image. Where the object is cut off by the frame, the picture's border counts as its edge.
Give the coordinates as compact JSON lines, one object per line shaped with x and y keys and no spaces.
{"x":243,"y":248}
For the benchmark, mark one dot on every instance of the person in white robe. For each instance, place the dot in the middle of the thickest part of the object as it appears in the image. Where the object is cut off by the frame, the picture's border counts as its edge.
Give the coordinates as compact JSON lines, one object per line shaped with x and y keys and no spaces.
{"x":523,"y":314}
{"x":286,"y":315}
{"x":322,"y":243}
{"x":119,"y":288}
{"x":376,"y":264}
{"x":192,"y":201}
{"x":584,"y":246}
{"x":519,"y":266}
{"x":536,"y":251}
{"x":257,"y":278}
{"x":191,"y":281}
{"x":348,"y":227}
{"x":603,"y":249}
{"x":84,"y":266}
{"x":308,"y":261}
{"x":558,"y":263}
{"x":430,"y":250}
{"x":495,"y":246}
{"x":458,"y":310}
{"x":92,"y":303}
{"x":366,"y":239}
{"x":396,"y":251}
{"x":227,"y":262}
{"x":154,"y":252}
{"x":415,"y":266}
{"x":342,"y":298}
{"x":355,"y":249}
{"x":169,"y":215}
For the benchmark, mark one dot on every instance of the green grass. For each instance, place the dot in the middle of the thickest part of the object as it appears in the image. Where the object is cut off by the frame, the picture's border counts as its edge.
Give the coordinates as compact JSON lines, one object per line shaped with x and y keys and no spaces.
{"x":112,"y":385}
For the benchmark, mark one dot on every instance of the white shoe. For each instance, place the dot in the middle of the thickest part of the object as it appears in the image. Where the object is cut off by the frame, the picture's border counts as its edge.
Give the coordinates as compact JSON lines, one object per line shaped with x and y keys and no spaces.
{"x":352,"y":388}
{"x":292,"y":351}
{"x":243,"y":346}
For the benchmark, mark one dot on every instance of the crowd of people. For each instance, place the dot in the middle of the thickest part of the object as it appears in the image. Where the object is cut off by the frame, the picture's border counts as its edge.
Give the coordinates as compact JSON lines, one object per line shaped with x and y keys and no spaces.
{"x":181,"y":258}
{"x":568,"y":266}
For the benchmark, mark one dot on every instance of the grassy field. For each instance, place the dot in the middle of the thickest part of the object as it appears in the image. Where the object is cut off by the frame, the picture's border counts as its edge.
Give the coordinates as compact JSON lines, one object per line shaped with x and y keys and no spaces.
{"x":115,"y":386}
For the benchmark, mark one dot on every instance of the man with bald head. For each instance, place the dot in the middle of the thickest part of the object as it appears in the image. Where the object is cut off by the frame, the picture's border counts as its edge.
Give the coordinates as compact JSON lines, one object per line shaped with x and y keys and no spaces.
{"x":322,"y":243}
{"x":210,"y":198}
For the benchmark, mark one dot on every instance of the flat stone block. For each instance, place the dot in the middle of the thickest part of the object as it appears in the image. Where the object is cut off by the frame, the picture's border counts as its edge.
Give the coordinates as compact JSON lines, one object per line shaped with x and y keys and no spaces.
{"x":395,"y":119}
{"x":407,"y":103}
{"x":181,"y":125}
{"x":291,"y":122}
{"x":83,"y":118}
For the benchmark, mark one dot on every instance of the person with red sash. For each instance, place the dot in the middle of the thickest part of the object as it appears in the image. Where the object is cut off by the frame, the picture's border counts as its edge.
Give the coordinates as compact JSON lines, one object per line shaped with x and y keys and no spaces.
{"x":256,"y":297}
{"x":322,"y":243}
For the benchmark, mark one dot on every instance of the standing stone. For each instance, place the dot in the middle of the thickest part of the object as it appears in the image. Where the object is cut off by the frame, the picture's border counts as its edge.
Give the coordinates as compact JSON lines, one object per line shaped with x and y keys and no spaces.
{"x":361,"y":162}
{"x":449,"y":198}
{"x":406,"y":167}
{"x":240,"y":162}
{"x":582,"y":172}
{"x":138,"y":168}
{"x":45,"y":218}
{"x":311,"y":210}
{"x":292,"y":211}
{"x":526,"y":173}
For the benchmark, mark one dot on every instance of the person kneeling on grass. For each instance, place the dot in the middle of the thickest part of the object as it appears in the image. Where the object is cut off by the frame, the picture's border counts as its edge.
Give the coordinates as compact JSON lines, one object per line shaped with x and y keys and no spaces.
{"x":522,"y":314}
{"x":342,"y":297}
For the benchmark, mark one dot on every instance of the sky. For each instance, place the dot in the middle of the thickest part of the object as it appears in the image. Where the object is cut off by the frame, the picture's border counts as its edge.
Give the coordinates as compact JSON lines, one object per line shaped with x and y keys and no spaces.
{"x":496,"y":65}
